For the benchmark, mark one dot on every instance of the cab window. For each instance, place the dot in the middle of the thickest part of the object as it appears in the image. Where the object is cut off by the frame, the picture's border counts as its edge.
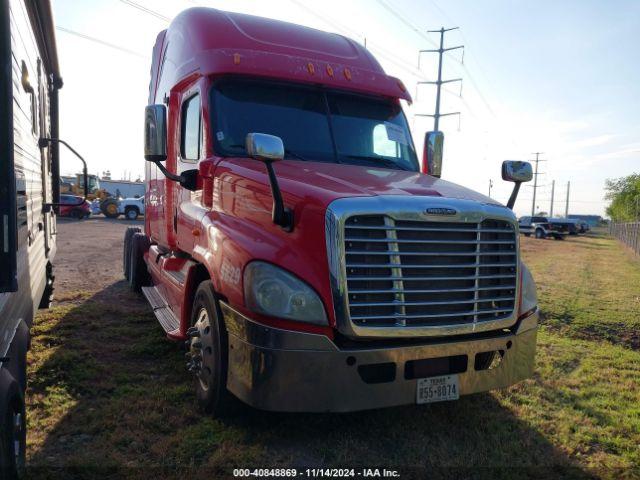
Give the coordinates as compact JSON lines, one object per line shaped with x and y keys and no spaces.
{"x":190,"y":146}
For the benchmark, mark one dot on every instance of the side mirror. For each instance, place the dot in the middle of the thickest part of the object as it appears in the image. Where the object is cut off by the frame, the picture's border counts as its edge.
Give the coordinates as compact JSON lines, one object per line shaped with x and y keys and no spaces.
{"x":155,"y":133}
{"x":432,"y":154}
{"x":264,"y":147}
{"x":269,"y":149}
{"x":517,"y":172}
{"x":155,"y":146}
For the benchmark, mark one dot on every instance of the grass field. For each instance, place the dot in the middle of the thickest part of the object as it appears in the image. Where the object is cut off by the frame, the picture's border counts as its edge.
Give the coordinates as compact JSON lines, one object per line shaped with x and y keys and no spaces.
{"x":108,"y":395}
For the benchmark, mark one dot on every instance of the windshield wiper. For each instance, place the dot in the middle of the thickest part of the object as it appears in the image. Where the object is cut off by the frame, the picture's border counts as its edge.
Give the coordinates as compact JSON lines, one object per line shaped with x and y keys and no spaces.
{"x":379,"y":160}
{"x":295,"y":155}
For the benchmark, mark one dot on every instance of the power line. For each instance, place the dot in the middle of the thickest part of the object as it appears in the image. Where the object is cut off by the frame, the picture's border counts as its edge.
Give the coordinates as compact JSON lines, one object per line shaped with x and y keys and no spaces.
{"x":102,"y":42}
{"x":416,"y":30}
{"x":146,"y":10}
{"x":391,"y":57}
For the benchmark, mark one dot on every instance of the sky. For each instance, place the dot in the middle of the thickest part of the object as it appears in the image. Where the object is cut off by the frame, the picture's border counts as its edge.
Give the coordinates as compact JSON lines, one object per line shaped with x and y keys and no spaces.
{"x":557,"y":77}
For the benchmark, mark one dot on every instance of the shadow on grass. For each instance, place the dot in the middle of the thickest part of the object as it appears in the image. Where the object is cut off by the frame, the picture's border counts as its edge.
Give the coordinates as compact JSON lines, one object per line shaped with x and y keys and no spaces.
{"x":109,"y":397}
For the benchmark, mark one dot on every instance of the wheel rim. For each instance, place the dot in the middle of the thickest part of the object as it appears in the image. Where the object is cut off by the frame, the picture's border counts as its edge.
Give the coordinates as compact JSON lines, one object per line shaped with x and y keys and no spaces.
{"x":132,"y":214}
{"x":112,"y":209}
{"x":201,"y":348}
{"x":17,"y":438}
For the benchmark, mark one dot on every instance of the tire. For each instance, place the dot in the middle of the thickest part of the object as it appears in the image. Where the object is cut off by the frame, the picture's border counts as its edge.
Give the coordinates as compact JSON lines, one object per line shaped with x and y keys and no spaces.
{"x":126,"y":249}
{"x":540,"y":233}
{"x":109,"y":208}
{"x":131,"y":213}
{"x":13,"y":431}
{"x":210,"y":346}
{"x":138,"y":274}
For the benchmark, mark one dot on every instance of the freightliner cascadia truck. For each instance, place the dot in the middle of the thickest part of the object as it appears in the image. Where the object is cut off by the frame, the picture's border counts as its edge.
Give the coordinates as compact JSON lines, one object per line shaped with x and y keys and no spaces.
{"x":294,"y":240}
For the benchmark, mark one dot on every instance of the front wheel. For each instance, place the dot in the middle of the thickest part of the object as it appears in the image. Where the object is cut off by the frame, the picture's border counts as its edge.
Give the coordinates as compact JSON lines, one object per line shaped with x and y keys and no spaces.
{"x":109,"y":208}
{"x":208,"y":354}
{"x":540,"y":233}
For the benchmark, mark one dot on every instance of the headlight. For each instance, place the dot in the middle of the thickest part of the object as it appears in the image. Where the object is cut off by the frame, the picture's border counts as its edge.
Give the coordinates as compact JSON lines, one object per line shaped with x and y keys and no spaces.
{"x":529,"y":297}
{"x":272,"y":291}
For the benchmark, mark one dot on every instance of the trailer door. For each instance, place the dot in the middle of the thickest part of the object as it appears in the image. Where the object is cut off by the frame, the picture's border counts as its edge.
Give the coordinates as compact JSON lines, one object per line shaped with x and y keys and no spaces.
{"x":8,"y":257}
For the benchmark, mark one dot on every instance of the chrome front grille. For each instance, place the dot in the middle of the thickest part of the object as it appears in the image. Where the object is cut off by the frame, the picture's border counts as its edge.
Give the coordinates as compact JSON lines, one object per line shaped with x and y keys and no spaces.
{"x":418,"y":273}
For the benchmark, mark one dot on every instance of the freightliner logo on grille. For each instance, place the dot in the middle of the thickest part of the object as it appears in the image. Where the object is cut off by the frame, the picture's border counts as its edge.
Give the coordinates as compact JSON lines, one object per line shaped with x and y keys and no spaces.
{"x":440,"y":211}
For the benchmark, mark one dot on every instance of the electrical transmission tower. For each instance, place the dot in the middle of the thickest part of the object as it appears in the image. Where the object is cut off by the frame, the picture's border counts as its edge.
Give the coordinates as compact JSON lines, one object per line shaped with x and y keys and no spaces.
{"x":438,"y":83}
{"x":535,"y":182}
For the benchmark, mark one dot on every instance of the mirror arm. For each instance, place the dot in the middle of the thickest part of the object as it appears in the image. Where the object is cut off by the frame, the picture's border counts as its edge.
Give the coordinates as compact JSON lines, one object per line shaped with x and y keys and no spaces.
{"x":514,"y":195}
{"x":44,"y":142}
{"x":167,"y":173}
{"x":188,"y":179}
{"x":281,"y":215}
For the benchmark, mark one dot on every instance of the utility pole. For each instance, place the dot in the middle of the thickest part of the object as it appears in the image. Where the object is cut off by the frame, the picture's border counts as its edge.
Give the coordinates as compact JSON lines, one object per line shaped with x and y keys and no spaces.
{"x":438,"y":83}
{"x":553,"y":189}
{"x":490,"y":185}
{"x":535,"y":182}
{"x":566,"y":208}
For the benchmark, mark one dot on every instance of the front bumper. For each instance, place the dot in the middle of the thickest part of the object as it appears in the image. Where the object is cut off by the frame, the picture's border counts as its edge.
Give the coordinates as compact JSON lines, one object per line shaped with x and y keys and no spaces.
{"x":282,"y":370}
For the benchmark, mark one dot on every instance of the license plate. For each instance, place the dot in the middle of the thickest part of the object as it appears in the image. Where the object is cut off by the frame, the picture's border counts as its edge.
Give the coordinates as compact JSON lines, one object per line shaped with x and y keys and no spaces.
{"x":438,"y":389}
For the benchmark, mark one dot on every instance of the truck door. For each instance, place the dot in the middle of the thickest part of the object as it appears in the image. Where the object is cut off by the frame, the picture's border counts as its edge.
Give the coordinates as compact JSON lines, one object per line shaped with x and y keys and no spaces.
{"x":8,"y":202}
{"x":189,"y":154}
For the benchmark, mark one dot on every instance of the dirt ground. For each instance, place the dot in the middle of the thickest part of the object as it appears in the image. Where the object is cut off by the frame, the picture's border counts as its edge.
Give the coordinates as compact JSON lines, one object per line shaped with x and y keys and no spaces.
{"x":88,"y":253}
{"x":109,"y":396}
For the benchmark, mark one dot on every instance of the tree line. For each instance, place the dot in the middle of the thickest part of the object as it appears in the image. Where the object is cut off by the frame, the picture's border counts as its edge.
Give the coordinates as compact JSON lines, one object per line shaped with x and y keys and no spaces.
{"x":624,"y":195}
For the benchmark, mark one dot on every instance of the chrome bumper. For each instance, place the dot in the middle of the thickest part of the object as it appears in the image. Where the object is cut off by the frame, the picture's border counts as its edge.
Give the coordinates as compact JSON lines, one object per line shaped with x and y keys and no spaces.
{"x":282,"y":370}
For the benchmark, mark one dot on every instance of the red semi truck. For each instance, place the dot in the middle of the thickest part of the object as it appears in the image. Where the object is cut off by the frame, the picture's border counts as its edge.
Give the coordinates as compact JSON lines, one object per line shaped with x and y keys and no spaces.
{"x":293,"y":242}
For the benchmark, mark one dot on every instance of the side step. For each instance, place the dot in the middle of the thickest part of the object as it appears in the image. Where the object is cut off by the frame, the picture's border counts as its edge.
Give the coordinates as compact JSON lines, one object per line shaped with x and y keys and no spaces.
{"x":163,"y":312}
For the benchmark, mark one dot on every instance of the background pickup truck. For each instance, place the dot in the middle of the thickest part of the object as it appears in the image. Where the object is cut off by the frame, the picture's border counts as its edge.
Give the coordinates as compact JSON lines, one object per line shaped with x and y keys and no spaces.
{"x":542,"y":227}
{"x":573,"y":228}
{"x":131,"y":208}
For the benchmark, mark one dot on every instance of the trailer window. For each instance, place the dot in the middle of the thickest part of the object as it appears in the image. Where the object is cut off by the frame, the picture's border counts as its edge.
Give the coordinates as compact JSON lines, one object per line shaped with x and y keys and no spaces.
{"x":191,"y":129}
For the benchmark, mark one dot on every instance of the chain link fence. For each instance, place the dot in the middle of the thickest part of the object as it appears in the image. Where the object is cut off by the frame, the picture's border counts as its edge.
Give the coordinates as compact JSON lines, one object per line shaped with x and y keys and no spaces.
{"x":627,"y":233}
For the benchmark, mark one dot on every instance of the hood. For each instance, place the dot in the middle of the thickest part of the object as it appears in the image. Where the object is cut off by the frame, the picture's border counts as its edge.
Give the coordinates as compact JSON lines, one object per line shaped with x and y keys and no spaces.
{"x":323,"y":183}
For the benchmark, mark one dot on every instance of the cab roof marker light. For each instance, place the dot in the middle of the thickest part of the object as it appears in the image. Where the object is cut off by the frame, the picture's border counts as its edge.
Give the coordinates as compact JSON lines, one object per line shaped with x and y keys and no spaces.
{"x":329,"y":70}
{"x":311,"y":69}
{"x":236,"y":59}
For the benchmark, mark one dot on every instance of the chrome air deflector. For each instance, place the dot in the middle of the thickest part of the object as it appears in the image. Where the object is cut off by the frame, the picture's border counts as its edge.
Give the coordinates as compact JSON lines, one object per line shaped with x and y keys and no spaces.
{"x":407,"y":266}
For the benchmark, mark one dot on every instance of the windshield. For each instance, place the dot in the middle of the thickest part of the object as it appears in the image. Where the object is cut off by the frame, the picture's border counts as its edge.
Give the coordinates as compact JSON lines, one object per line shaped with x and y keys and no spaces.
{"x":313,"y":124}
